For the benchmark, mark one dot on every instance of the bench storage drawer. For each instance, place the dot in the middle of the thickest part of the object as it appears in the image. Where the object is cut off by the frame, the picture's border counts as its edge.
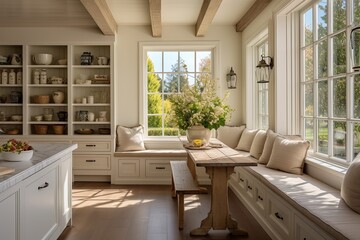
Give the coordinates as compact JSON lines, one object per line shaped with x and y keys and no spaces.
{"x":158,"y":168}
{"x":91,"y":162}
{"x":93,"y":146}
{"x":128,"y":167}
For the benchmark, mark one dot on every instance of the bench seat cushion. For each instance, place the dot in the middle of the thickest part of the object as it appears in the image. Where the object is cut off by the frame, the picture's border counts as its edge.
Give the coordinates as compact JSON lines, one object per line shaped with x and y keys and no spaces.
{"x":152,"y":153}
{"x":319,"y":202}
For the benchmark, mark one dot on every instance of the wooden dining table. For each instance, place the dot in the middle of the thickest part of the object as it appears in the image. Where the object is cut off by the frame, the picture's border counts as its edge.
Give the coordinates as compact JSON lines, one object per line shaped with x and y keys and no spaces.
{"x":219,"y":164}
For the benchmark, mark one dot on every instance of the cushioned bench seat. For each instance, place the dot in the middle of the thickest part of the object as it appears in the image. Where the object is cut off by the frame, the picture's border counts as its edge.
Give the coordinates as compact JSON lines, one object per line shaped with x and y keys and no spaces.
{"x":168,"y":153}
{"x":319,"y":202}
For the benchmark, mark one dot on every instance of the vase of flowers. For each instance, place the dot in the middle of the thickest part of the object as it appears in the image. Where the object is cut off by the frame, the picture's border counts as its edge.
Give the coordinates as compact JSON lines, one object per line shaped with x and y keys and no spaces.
{"x":198,"y":109}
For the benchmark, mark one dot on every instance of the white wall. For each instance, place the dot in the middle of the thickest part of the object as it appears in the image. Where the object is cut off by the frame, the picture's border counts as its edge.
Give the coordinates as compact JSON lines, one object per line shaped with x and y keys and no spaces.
{"x":127,"y":65}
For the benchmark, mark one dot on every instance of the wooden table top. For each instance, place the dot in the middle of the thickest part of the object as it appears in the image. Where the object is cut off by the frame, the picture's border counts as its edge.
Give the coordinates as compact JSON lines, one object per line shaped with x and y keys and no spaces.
{"x":219,"y":157}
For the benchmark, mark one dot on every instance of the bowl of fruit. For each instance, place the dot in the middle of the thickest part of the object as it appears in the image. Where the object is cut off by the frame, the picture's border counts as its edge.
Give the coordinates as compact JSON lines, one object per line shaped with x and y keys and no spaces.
{"x":17,"y":151}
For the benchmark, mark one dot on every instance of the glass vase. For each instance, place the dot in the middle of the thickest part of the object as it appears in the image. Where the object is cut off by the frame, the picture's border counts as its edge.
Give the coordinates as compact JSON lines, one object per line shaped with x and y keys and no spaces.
{"x":198,"y":132}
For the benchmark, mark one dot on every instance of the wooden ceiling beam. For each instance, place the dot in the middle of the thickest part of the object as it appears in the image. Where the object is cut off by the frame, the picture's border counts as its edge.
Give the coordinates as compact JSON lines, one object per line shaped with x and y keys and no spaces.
{"x":100,"y":12}
{"x":251,"y":14}
{"x":155,"y":17}
{"x":207,"y":14}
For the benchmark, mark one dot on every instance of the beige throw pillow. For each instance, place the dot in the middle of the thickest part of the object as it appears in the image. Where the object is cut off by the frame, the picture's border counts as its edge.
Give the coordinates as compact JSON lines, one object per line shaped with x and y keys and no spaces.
{"x":269,"y":142}
{"x":130,"y":139}
{"x":288,"y":155}
{"x":257,"y":145}
{"x":350,"y":188}
{"x":246,"y":140}
{"x":229,"y":135}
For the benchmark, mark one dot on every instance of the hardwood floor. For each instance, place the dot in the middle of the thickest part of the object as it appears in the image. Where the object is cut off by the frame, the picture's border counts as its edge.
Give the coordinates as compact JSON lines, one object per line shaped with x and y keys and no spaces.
{"x":102,"y":211}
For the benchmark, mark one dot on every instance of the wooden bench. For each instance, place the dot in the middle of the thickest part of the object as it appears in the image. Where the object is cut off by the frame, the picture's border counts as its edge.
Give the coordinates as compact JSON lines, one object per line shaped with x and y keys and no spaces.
{"x":183,"y":183}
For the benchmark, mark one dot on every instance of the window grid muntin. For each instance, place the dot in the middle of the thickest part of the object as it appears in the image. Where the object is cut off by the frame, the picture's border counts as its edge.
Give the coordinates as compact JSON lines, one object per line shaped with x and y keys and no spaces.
{"x":350,"y":119}
{"x":163,"y":73}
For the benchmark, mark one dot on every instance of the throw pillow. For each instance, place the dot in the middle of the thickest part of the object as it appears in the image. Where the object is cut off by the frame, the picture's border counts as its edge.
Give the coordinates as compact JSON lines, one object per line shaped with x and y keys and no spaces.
{"x":350,"y":188}
{"x":246,"y":140}
{"x":288,"y":155}
{"x":269,"y":142}
{"x":257,"y":145}
{"x":130,"y":139}
{"x":229,"y":135}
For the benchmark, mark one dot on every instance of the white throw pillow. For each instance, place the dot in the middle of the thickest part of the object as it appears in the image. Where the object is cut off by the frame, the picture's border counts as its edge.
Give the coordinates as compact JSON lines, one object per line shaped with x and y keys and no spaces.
{"x":288,"y":155}
{"x":246,"y":140}
{"x":130,"y":139}
{"x":269,"y":142}
{"x":257,"y":145}
{"x":350,"y":187}
{"x":229,"y":135}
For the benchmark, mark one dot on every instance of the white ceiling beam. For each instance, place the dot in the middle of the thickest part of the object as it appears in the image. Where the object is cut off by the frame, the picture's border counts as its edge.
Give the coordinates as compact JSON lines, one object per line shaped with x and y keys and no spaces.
{"x":155,"y":17}
{"x":207,"y":14}
{"x":100,"y":12}
{"x":251,"y":14}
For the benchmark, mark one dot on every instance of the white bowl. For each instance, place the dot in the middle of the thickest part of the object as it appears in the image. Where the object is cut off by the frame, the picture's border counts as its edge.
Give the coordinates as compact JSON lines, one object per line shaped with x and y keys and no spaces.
{"x":17,"y":157}
{"x":43,"y":58}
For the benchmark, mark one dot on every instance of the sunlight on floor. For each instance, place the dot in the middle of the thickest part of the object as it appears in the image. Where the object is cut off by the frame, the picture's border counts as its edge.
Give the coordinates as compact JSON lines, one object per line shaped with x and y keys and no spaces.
{"x":105,"y":198}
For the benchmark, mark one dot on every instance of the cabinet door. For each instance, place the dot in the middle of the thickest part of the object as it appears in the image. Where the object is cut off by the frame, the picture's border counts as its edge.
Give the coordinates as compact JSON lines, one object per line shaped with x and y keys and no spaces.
{"x":8,"y":214}
{"x":128,"y":167}
{"x":304,"y":232}
{"x":40,"y":207}
{"x":280,"y":216}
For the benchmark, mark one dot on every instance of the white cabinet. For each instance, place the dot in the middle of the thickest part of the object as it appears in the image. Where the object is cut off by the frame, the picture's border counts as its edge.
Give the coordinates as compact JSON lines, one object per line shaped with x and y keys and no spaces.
{"x":8,"y":216}
{"x":39,"y":207}
{"x":303,"y":231}
{"x":279,"y":219}
{"x":40,"y":203}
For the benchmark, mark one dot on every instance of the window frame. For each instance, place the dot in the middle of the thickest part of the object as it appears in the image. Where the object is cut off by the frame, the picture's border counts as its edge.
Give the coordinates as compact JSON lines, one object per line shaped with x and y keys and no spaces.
{"x":348,"y":75}
{"x":144,"y":47}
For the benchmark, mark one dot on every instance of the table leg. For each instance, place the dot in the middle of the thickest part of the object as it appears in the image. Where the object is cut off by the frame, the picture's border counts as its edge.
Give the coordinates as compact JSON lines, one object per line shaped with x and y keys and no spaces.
{"x":219,"y":218}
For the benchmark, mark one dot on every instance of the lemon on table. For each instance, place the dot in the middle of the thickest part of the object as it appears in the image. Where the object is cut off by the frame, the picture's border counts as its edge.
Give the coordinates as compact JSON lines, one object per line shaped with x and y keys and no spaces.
{"x":197,"y":142}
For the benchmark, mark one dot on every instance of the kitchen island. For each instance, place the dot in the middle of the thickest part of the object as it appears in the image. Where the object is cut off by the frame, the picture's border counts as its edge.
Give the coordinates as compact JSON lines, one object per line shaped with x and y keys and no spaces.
{"x":35,"y":199}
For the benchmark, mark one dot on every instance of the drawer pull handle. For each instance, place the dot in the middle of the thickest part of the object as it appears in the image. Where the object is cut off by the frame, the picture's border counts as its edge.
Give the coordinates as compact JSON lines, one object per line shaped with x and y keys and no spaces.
{"x":241,"y":180}
{"x":90,"y":160}
{"x":90,"y":145}
{"x":160,"y":168}
{"x":43,"y":186}
{"x":259,"y":197}
{"x":279,"y":216}
{"x":249,"y":187}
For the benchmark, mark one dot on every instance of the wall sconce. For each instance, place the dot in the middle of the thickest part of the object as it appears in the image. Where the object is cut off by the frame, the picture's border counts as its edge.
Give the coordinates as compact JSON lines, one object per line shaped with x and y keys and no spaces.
{"x":231,"y":79}
{"x":262,"y":71}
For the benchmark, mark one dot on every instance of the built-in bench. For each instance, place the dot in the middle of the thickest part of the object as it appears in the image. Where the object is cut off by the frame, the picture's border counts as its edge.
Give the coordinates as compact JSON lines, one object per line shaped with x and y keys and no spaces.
{"x":163,"y":153}
{"x":309,"y":205}
{"x":183,"y":182}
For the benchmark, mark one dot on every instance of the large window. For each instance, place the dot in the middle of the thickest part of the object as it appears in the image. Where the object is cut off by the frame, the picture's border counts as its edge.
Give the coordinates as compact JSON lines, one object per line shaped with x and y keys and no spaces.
{"x":167,"y":73}
{"x":330,"y":89}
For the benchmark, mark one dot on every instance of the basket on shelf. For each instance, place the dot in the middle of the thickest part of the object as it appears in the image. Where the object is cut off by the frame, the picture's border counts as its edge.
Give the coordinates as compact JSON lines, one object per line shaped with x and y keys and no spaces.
{"x":42,"y":99}
{"x":41,"y":129}
{"x":58,"y":129}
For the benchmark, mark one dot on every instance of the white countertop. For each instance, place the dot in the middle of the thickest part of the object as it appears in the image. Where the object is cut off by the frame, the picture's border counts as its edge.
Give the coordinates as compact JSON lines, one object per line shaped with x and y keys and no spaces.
{"x":44,"y":155}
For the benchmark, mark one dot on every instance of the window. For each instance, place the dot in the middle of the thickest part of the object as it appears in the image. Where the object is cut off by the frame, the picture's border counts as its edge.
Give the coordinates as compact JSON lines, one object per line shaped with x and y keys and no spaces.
{"x":262,"y":90}
{"x":168,"y":69}
{"x":330,"y":90}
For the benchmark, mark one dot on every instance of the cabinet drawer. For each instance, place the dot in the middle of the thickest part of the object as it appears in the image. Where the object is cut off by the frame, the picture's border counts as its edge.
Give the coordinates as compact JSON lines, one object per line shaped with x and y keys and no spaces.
{"x":260,"y":198}
{"x":304,"y":231}
{"x":93,"y":147}
{"x":41,"y":204}
{"x":279,"y":216}
{"x":157,"y":168}
{"x":91,"y":162}
{"x":242,"y":181}
{"x":128,"y":168}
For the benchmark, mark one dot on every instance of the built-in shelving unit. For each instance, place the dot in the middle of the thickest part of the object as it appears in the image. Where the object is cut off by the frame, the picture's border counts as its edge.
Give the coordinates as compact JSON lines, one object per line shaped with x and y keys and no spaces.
{"x":86,"y":114}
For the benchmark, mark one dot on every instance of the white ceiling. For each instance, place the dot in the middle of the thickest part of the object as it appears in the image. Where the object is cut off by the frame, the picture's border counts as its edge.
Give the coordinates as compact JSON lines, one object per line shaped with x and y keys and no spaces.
{"x":176,"y":12}
{"x":67,"y":13}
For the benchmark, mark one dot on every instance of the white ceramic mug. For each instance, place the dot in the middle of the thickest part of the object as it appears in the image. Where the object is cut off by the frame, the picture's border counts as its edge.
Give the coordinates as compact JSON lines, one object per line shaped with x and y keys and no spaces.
{"x":102,"y":60}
